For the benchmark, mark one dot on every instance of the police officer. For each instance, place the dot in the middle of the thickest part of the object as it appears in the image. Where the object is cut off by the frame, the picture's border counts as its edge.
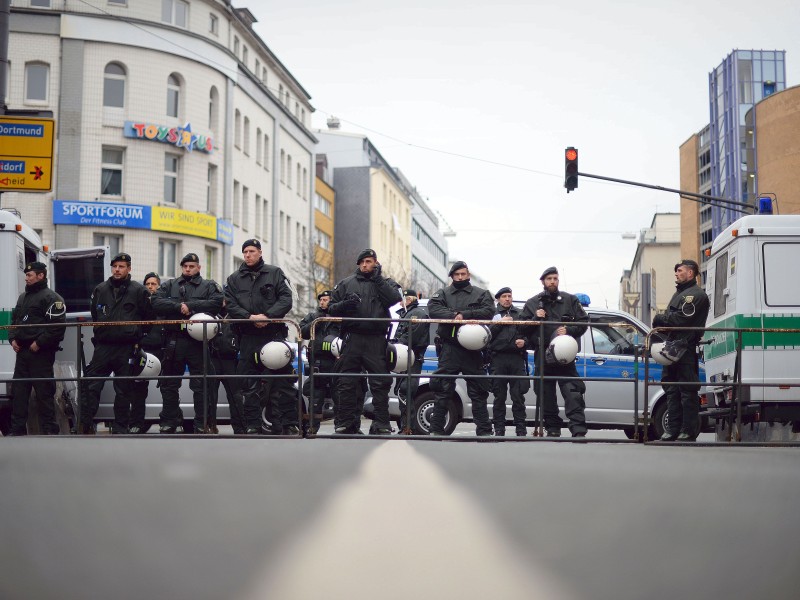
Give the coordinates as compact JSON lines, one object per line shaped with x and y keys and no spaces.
{"x":117,"y":299}
{"x":180,"y":298}
{"x":365,"y":294}
{"x":36,"y":349}
{"x":460,"y":301}
{"x":152,"y":343}
{"x":260,"y":292}
{"x":420,"y":336}
{"x":321,"y":359}
{"x":508,"y":357}
{"x":553,"y":305}
{"x":224,"y":356}
{"x":687,"y":308}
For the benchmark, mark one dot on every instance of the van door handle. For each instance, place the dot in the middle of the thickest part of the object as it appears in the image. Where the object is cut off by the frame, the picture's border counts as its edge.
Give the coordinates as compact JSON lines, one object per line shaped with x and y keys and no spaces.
{"x":599,"y":361}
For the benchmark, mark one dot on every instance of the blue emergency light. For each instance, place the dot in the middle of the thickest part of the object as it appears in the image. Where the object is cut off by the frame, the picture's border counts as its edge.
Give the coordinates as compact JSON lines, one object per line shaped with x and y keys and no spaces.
{"x":583,"y":299}
{"x":765,"y":205}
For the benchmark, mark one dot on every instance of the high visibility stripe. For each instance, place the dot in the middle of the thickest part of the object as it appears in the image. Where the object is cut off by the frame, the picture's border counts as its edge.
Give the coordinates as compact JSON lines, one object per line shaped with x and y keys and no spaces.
{"x":724,"y":342}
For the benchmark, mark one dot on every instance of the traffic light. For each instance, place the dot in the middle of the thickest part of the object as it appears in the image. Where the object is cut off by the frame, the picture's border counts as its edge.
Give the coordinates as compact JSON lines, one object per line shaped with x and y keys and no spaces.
{"x":570,"y":169}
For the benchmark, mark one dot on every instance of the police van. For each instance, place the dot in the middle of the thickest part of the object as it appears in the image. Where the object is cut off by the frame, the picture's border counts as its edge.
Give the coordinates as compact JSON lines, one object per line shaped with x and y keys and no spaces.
{"x":753,"y":282}
{"x":607,"y":352}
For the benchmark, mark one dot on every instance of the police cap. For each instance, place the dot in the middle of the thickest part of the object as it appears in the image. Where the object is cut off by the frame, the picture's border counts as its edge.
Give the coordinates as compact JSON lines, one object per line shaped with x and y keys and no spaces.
{"x":38,"y":267}
{"x":191,"y":257}
{"x":251,"y":242}
{"x":548,"y":271}
{"x":367,"y":253}
{"x":459,"y":264}
{"x":410,"y":293}
{"x":122,"y":257}
{"x":688,"y":262}
{"x":324,"y":293}
{"x":501,"y":291}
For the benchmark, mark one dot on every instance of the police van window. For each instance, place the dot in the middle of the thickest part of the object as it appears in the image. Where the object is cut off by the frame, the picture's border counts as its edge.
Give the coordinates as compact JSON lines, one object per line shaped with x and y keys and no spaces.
{"x":720,"y":283}
{"x":780,"y":289}
{"x":76,"y":274}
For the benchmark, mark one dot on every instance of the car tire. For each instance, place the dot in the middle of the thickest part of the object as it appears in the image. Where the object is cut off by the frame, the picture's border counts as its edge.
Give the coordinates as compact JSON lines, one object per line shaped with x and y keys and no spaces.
{"x":421,"y":415}
{"x":658,"y":423}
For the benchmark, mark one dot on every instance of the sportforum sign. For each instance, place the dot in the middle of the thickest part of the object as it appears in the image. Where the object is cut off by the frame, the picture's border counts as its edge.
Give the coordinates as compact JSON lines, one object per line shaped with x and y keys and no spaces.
{"x":142,"y":216}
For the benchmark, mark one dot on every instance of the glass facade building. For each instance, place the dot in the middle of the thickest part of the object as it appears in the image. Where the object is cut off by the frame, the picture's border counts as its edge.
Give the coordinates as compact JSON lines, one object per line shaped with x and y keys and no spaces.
{"x":742,"y":79}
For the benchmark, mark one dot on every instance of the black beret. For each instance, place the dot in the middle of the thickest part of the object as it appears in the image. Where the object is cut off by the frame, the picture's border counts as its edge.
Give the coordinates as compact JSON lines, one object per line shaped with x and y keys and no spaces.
{"x":548,"y":271}
{"x":688,"y":262}
{"x":410,"y":293}
{"x":501,"y":291}
{"x":324,"y":293}
{"x":122,"y":257}
{"x":251,"y":242}
{"x":151,"y":274}
{"x":191,"y":257}
{"x":368,"y":253}
{"x":38,"y":267}
{"x":459,"y":264}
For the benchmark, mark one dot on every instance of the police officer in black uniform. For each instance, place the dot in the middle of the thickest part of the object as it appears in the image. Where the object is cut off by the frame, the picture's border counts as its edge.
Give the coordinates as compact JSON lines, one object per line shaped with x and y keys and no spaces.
{"x":365,"y":294}
{"x":224,"y":356}
{"x":509,"y":357}
{"x":260,"y":292}
{"x":180,"y":298}
{"x":687,"y":308}
{"x":152,"y":343}
{"x":420,"y":338}
{"x":321,"y":358}
{"x":551,"y":304}
{"x":460,"y":301}
{"x":36,"y":349}
{"x":119,"y":298}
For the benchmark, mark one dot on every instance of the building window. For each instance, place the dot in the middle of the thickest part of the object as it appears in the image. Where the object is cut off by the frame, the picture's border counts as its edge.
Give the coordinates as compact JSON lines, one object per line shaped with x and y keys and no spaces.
{"x":114,"y":86}
{"x":37,"y":82}
{"x":322,"y":205}
{"x":289,"y":171}
{"x":280,"y":92}
{"x":266,"y":152}
{"x":173,"y":95}
{"x":282,"y":233}
{"x":299,"y":179}
{"x":323,"y":240}
{"x":298,"y":239}
{"x":211,"y":261}
{"x":245,"y":207}
{"x":283,"y":166}
{"x":171,"y":165}
{"x":120,"y":2}
{"x":236,"y":46}
{"x":167,"y":257}
{"x":237,"y":129}
{"x":257,"y":68}
{"x":111,"y":178}
{"x":265,"y":221}
{"x":264,"y":75}
{"x":305,"y":183}
{"x":213,"y":109}
{"x":244,"y":56}
{"x":175,"y":12}
{"x":246,"y":134}
{"x":213,"y":24}
{"x":40,"y":3}
{"x":237,"y":202}
{"x":258,"y":145}
{"x":211,"y":190}
{"x":114,"y":242}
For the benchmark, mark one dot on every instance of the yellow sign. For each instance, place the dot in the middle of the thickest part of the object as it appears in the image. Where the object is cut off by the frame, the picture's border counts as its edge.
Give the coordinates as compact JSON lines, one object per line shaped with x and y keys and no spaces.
{"x":175,"y":220}
{"x":26,"y":154}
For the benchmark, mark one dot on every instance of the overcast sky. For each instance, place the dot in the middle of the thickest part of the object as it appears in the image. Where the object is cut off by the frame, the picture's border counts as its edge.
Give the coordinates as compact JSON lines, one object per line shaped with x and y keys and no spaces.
{"x":510,"y":85}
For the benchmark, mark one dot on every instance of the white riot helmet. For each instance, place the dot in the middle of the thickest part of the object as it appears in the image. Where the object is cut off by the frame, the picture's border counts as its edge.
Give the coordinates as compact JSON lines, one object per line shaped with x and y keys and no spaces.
{"x":473,"y":336}
{"x":336,"y":346}
{"x":397,"y":358}
{"x":195,"y":327}
{"x":276,"y":355}
{"x":146,"y":365}
{"x":562,"y":350}
{"x":666,"y":353}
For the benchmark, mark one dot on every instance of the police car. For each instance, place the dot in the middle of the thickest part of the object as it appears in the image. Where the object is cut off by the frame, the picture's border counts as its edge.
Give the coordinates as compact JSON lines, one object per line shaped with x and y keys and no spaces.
{"x":607,"y":352}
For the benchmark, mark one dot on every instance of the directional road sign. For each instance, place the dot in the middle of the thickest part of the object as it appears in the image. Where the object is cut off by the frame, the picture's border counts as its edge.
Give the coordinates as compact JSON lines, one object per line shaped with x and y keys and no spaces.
{"x":26,"y":154}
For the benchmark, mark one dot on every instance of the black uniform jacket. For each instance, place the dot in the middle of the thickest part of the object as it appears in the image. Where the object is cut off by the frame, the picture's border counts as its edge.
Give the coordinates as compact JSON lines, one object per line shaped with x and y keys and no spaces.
{"x":261,"y":290}
{"x":504,"y":337}
{"x":471,"y":301}
{"x":112,"y":301}
{"x":420,"y":337}
{"x":200,"y":295}
{"x":559,"y":307}
{"x":38,"y":305}
{"x":378,"y":294}
{"x":687,"y":308}
{"x":321,"y":331}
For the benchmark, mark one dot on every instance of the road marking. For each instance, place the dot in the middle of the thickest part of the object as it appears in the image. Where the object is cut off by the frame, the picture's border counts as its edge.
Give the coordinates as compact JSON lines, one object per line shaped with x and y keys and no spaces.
{"x":401,"y":529}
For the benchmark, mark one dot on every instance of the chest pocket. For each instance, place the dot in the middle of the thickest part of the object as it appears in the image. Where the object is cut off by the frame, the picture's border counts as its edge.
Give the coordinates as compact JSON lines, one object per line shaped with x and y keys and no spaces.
{"x":268,"y":293}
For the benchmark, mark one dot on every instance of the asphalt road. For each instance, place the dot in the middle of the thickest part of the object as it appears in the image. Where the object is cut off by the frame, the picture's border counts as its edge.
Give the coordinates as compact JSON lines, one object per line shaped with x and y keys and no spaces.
{"x":156,"y":517}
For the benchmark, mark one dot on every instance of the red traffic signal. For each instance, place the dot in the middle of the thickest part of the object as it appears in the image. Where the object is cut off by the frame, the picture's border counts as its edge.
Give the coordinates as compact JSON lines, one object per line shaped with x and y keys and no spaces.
{"x":570,"y":169}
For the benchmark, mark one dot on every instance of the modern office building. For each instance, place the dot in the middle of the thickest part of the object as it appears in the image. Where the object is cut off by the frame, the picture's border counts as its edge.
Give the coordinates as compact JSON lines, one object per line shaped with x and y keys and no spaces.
{"x":722,"y":159}
{"x":178,"y":130}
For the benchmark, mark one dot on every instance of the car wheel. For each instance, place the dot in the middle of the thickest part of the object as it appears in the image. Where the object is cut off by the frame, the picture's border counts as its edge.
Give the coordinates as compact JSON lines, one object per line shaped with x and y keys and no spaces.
{"x":421,"y":415}
{"x":658,"y":420}
{"x":629,"y":433}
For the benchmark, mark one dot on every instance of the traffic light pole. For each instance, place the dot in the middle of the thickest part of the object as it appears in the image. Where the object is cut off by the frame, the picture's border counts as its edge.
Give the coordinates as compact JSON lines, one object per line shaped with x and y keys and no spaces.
{"x":689,"y":195}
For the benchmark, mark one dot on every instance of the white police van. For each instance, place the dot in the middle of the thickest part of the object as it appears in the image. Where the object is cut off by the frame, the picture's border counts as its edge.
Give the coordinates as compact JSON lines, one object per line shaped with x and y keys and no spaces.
{"x":752,"y":282}
{"x":607,"y":351}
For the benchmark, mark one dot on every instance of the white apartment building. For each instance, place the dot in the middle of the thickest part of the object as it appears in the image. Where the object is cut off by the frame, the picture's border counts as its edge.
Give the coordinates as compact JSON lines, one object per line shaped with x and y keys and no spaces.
{"x":177,"y":129}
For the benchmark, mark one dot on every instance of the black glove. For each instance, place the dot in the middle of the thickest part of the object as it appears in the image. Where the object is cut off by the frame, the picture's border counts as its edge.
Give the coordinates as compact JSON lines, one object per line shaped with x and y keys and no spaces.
{"x":351,"y":301}
{"x":376,"y":273}
{"x":659,"y":320}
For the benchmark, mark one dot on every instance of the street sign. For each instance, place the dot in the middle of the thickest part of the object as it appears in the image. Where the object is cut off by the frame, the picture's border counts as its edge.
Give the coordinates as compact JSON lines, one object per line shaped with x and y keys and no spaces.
{"x":26,"y":154}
